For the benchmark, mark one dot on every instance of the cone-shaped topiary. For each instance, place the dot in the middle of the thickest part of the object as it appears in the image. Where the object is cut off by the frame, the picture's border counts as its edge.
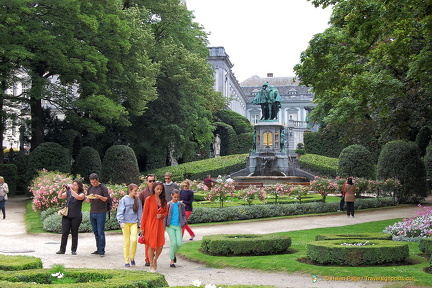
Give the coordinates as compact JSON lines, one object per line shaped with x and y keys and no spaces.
{"x":120,"y":166}
{"x":88,"y":161}
{"x":50,"y":156}
{"x":356,"y":161}
{"x":400,"y":159}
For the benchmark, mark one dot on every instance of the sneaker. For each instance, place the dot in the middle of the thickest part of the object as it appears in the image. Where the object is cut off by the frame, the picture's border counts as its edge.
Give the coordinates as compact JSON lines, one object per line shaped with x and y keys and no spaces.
{"x":102,"y":254}
{"x":95,"y":253}
{"x":147,"y":264}
{"x":60,"y":252}
{"x":133,"y":262}
{"x":339,"y":210}
{"x":73,"y":252}
{"x":172,"y":266}
{"x":127,"y":265}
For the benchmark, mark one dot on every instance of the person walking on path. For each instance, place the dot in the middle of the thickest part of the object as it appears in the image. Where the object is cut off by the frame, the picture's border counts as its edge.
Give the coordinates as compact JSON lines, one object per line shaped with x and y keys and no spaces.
{"x":129,"y":212}
{"x":342,"y":201}
{"x":169,"y":185}
{"x":98,"y":195}
{"x":151,"y":182}
{"x":70,"y":224}
{"x":187,"y":198}
{"x":350,"y":197}
{"x":4,"y":190}
{"x":152,"y":224}
{"x":175,"y":220}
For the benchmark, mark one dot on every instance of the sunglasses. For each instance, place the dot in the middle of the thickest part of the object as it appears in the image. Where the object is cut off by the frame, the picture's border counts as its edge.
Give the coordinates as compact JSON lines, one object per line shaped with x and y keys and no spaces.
{"x":167,"y":178}
{"x":151,"y":181}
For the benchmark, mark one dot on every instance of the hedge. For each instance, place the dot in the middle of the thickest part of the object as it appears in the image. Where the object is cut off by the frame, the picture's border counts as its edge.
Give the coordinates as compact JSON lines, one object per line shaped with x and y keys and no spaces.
{"x":326,"y":165}
{"x":331,"y":252}
{"x":425,"y":246}
{"x":245,"y":244}
{"x":19,"y":262}
{"x":97,"y":278}
{"x":10,"y":175}
{"x":198,"y":170}
{"x":208,"y":215}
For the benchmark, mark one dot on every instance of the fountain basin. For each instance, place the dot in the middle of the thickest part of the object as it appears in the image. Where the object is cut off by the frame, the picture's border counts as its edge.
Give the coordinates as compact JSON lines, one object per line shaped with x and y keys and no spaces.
{"x":271,"y":180}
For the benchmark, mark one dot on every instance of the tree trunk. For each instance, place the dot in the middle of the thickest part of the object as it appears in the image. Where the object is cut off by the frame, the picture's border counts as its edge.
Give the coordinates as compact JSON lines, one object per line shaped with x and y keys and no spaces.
{"x":37,"y":135}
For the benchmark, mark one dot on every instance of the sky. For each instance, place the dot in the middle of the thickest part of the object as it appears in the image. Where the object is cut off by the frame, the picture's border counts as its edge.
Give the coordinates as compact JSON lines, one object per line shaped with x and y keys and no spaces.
{"x":260,"y":37}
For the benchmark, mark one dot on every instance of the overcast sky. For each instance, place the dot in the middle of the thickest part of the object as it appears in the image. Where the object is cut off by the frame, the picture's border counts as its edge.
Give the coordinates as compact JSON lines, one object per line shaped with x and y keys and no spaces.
{"x":260,"y":37}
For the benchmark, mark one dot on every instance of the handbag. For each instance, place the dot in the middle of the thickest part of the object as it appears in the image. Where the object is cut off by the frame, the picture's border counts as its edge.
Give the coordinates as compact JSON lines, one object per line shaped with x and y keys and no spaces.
{"x":63,"y":211}
{"x":141,"y":239}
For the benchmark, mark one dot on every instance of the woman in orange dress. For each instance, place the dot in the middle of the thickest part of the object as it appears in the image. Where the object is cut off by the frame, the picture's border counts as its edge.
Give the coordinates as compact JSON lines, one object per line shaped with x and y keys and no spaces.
{"x":152,"y":223}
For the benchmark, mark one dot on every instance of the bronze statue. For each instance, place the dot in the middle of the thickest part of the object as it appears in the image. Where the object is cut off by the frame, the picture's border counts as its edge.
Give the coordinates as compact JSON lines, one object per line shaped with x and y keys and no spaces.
{"x":269,"y":99}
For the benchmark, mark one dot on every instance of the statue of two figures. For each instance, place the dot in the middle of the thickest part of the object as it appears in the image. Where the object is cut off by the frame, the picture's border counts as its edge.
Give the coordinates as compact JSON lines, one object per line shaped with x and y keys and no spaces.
{"x":269,"y":99}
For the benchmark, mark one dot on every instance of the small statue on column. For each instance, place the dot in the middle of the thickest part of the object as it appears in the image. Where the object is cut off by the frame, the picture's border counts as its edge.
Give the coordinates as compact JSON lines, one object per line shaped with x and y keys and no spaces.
{"x":216,"y":146}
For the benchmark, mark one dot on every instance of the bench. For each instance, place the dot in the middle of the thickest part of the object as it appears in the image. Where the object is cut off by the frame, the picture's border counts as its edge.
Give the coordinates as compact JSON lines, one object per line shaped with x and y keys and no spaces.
{"x":243,"y":185}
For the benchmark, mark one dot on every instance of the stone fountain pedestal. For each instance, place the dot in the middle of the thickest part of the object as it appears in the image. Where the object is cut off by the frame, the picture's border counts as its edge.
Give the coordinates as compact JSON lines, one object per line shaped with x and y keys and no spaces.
{"x":269,"y":156}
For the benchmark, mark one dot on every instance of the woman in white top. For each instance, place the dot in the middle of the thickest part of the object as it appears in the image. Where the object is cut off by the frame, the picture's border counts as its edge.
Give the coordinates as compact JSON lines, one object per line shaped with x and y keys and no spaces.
{"x":4,"y":189}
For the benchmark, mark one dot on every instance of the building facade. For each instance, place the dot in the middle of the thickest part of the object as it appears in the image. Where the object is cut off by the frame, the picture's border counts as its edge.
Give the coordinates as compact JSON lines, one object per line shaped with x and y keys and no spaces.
{"x":296,"y":99}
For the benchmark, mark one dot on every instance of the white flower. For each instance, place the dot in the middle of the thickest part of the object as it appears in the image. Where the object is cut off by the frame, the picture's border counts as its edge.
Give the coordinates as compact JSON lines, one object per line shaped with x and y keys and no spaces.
{"x":210,"y":286}
{"x":60,"y":276}
{"x":196,"y":283}
{"x":56,"y":274}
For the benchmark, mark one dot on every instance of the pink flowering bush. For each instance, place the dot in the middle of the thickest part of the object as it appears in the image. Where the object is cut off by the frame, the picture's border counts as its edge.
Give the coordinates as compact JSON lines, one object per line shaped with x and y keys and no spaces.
{"x":277,"y":190}
{"x":414,"y":228}
{"x":45,"y":188}
{"x":252,"y":192}
{"x":298,"y":192}
{"x":220,"y":191}
{"x":116,"y":193}
{"x":324,"y":186}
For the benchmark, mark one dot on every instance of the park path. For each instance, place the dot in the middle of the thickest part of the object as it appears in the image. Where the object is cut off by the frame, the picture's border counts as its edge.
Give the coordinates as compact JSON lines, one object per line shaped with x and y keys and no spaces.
{"x":15,"y":241}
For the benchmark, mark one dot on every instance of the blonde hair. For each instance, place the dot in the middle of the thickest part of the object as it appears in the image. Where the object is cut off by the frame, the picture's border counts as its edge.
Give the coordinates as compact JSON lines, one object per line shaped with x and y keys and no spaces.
{"x":2,"y":179}
{"x":186,"y":182}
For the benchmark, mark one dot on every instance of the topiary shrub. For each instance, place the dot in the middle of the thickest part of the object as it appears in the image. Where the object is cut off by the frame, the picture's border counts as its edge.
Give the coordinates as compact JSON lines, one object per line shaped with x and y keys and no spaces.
{"x":72,"y":140}
{"x":19,"y":262}
{"x":356,"y":161}
{"x":22,"y":183}
{"x":428,"y":162}
{"x":425,"y":246}
{"x":120,"y":166}
{"x":50,"y":156}
{"x":400,"y":159}
{"x":362,"y":236}
{"x":357,"y":253}
{"x":245,"y":244}
{"x":10,"y":174}
{"x":423,"y":139}
{"x":88,"y":161}
{"x":239,"y":123}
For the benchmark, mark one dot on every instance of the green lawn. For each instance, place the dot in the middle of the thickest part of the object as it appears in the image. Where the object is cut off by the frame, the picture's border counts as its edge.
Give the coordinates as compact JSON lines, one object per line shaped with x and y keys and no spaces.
{"x":289,"y":262}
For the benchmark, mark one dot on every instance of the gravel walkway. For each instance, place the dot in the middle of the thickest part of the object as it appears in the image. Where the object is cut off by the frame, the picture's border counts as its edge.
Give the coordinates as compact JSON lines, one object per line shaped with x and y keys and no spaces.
{"x":15,"y":241}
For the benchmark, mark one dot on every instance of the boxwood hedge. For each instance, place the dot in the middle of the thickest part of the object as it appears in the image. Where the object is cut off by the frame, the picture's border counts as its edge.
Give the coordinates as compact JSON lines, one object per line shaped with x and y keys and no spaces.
{"x":332,"y":252}
{"x":363,"y":236}
{"x":245,"y":244}
{"x":19,"y":262}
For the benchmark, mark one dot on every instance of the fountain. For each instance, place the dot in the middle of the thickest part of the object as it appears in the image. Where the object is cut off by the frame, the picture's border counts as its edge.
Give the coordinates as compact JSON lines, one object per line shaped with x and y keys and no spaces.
{"x":269,"y":162}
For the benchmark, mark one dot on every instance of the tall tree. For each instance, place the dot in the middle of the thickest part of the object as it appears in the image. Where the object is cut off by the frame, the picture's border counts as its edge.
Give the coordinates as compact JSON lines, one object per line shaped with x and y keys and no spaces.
{"x":373,"y":64}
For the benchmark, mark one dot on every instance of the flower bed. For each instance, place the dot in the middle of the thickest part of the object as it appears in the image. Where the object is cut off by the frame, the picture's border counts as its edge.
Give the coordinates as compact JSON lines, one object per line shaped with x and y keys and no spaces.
{"x":375,"y":252}
{"x":363,"y":236}
{"x":245,"y":244}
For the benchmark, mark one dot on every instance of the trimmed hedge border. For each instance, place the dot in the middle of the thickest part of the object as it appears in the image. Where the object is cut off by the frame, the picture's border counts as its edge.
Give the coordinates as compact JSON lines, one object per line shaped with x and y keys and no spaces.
{"x":425,"y":246}
{"x":246,"y":212}
{"x":94,"y":278}
{"x":381,"y":252}
{"x":362,"y":236}
{"x":245,"y":244}
{"x":19,"y":262}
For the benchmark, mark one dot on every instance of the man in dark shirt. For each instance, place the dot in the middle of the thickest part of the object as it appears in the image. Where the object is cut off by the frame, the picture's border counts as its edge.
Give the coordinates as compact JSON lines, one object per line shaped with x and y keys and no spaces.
{"x":169,"y":186}
{"x":98,"y":195}
{"x":151,"y":181}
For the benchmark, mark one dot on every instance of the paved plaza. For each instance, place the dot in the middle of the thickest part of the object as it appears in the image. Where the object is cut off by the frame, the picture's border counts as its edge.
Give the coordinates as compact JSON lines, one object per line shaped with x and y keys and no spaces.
{"x":15,"y":241}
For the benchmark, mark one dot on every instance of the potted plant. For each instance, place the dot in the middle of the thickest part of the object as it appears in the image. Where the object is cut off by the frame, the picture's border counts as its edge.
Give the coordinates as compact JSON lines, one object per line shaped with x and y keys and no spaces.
{"x":300,"y":150}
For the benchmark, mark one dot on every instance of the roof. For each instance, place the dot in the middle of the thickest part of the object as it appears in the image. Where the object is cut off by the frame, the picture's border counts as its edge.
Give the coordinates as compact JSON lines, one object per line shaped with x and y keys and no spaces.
{"x":255,"y":80}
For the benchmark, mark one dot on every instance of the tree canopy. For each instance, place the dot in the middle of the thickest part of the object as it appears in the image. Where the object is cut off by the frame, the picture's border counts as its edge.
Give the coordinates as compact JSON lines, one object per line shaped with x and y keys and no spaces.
{"x":372,"y":65}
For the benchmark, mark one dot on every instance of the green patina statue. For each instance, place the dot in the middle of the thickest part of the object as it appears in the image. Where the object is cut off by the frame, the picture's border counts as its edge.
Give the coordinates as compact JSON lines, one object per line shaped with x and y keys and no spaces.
{"x":269,"y":99}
